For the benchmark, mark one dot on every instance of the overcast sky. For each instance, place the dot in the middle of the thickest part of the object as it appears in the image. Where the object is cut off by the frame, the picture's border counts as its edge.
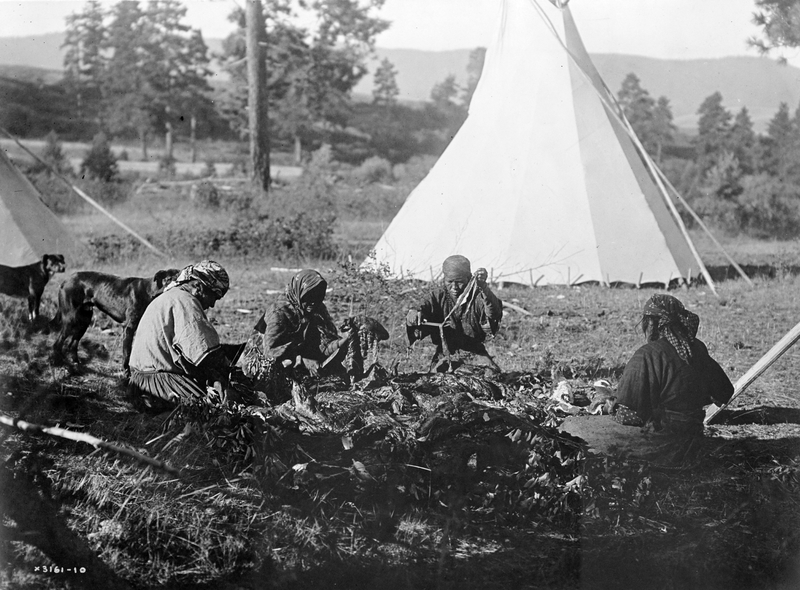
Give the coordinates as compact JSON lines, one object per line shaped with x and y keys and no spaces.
{"x":677,"y":29}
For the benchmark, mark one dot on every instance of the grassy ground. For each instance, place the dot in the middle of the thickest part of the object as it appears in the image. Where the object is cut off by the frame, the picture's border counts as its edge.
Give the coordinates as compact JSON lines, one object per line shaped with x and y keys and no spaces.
{"x":724,"y":516}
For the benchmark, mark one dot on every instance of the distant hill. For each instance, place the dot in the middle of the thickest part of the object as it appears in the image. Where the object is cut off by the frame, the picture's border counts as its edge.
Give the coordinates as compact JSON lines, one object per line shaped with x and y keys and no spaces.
{"x":760,"y":84}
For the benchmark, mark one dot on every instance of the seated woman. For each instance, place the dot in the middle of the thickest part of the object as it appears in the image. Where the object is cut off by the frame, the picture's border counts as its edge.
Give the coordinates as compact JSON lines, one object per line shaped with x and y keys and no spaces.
{"x":466,"y":310}
{"x":671,"y":378}
{"x":296,"y":337}
{"x":176,"y":352}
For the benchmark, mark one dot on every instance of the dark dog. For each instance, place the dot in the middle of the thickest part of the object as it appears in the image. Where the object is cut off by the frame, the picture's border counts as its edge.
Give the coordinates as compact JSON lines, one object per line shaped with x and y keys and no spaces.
{"x":29,"y":281}
{"x":124,"y":299}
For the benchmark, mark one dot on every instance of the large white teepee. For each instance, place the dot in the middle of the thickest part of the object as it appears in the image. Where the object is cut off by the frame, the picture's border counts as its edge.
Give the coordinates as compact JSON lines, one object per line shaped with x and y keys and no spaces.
{"x":28,"y":229}
{"x":541,"y":185}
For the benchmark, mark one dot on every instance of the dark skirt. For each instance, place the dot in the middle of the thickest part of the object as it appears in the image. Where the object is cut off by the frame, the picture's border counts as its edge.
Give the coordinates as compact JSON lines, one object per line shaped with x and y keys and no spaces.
{"x":160,"y":391}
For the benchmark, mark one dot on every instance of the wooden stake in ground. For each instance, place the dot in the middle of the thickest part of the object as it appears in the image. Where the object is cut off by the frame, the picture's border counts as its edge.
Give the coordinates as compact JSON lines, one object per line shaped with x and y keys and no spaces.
{"x":756,"y":370}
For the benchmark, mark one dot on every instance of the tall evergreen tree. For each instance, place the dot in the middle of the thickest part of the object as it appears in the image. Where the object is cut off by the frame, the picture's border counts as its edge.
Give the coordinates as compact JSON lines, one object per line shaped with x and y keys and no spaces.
{"x":312,"y":71}
{"x":127,"y":92}
{"x":713,"y":130}
{"x":385,"y":89}
{"x":663,"y":129}
{"x":778,"y":141}
{"x":176,"y":64}
{"x":156,"y":71}
{"x":743,"y":142}
{"x":84,"y":62}
{"x":651,"y":120}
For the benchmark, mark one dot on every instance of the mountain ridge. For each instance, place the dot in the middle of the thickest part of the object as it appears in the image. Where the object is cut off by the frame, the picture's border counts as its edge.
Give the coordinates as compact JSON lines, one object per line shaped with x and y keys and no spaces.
{"x":758,"y":83}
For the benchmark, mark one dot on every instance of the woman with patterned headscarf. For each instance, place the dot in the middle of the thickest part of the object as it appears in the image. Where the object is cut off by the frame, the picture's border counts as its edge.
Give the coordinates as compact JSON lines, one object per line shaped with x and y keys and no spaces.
{"x":466,"y":309}
{"x":671,"y":378}
{"x":176,"y":352}
{"x":296,"y":336}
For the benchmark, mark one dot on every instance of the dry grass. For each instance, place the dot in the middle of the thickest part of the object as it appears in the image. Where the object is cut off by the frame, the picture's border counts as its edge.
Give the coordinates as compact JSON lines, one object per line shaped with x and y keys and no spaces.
{"x":726,"y":517}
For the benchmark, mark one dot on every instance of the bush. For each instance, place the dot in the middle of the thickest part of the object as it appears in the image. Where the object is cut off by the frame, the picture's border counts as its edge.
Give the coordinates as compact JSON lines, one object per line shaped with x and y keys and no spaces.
{"x":374,"y":170}
{"x":53,"y":155}
{"x":373,"y":202}
{"x":768,"y":207}
{"x":100,"y":163}
{"x":295,"y":236}
{"x":55,"y":193}
{"x":166,"y":165}
{"x":205,"y":194}
{"x":412,"y":172}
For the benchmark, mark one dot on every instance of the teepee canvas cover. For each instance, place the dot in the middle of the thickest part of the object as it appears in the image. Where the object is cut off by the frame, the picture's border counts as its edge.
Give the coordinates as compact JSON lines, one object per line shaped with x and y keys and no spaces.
{"x":541,"y":185}
{"x":28,"y":229}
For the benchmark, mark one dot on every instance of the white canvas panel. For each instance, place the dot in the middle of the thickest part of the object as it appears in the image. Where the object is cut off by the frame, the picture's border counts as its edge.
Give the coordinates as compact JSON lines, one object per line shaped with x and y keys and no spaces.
{"x":538,"y":185}
{"x":28,"y":229}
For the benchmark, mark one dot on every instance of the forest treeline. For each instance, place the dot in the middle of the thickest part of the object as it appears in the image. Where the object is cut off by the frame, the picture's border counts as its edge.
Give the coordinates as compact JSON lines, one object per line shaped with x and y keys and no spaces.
{"x":136,"y":72}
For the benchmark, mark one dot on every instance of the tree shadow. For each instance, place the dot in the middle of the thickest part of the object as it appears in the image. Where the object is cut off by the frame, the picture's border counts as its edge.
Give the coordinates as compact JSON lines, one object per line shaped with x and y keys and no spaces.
{"x":764,"y":271}
{"x":764,"y":415}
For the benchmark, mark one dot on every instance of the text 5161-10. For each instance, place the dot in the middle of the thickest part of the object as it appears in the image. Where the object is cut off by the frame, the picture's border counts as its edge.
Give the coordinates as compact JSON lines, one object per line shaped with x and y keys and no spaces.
{"x":57,"y":569}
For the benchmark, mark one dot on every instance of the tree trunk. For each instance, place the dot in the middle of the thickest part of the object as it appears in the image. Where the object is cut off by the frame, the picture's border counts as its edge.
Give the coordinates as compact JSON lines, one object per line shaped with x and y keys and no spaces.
{"x":298,"y":150}
{"x":143,"y":139}
{"x":257,"y":96}
{"x":168,"y":142}
{"x":193,"y":137}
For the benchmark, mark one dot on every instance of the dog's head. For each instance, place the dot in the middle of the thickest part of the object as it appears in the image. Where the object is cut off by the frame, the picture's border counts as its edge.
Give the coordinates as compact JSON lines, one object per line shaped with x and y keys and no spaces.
{"x":163,"y":278}
{"x":53,"y":263}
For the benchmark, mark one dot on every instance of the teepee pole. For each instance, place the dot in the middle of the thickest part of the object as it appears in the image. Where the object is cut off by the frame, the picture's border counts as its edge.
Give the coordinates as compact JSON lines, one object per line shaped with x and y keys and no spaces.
{"x":86,"y":197}
{"x":651,"y":166}
{"x":702,"y":224}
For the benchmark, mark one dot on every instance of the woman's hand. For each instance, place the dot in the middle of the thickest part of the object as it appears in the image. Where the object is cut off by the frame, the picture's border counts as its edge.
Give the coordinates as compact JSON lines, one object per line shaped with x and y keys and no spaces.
{"x":413,"y":317}
{"x":347,"y":336}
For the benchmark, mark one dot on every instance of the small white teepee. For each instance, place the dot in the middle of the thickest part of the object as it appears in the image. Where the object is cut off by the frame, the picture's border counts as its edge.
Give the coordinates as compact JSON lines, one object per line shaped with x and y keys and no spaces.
{"x":28,"y":229}
{"x":542,"y":184}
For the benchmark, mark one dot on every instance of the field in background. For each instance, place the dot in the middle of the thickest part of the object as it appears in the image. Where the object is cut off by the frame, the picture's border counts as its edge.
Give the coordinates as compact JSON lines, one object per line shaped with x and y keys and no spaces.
{"x":728,"y":518}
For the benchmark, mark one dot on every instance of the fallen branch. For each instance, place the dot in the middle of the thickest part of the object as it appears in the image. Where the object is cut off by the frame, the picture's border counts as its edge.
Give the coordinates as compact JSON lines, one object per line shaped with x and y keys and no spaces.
{"x":87,"y":438}
{"x":517,"y":308}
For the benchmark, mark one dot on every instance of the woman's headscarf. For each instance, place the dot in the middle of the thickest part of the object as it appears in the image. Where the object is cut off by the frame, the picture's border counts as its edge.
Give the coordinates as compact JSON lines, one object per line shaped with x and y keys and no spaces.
{"x":674,"y":322}
{"x":209,"y":273}
{"x":307,"y":286}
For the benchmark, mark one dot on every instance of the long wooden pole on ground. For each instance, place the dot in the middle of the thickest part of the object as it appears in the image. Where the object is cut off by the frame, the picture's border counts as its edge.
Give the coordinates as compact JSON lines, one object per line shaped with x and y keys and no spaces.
{"x":756,"y":370}
{"x":85,"y":197}
{"x":89,"y":439}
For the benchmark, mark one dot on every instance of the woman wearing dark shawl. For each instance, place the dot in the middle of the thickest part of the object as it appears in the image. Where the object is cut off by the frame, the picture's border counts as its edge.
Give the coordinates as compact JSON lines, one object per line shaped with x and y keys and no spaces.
{"x":671,"y":378}
{"x":295,"y":337}
{"x":466,"y":307}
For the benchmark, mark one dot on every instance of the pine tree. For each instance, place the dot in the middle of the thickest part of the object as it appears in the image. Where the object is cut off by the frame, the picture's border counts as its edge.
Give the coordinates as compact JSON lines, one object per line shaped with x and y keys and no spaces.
{"x":778,"y":141}
{"x":713,"y":130}
{"x":385,"y":89}
{"x":743,"y":142}
{"x":84,"y":62}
